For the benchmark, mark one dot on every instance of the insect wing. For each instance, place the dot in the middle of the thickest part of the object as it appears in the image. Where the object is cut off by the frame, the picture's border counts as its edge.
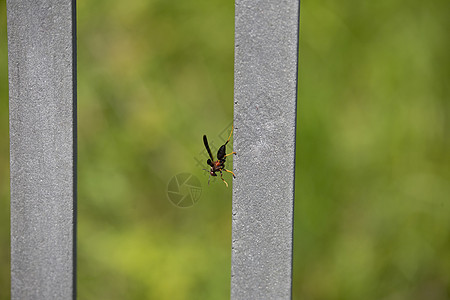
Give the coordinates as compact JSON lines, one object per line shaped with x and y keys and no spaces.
{"x":221,"y":153}
{"x":205,"y":141}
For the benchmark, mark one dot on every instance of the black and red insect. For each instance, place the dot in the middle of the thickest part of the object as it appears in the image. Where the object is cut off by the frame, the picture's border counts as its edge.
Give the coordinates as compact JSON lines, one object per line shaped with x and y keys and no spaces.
{"x":219,"y":164}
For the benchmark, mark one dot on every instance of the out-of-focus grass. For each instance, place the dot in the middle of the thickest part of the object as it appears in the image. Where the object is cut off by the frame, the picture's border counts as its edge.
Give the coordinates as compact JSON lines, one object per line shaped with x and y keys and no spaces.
{"x":372,"y":187}
{"x":4,"y":160}
{"x":372,"y":209}
{"x":154,"y":76}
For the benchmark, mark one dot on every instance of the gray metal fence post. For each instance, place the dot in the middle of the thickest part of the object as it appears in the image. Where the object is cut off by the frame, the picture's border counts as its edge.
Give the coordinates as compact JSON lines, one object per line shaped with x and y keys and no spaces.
{"x":266,"y":55}
{"x":42,"y":92}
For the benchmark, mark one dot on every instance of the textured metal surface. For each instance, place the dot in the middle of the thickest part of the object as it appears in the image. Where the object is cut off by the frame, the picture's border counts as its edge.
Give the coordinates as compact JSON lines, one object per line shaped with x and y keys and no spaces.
{"x":266,"y":53}
{"x":41,"y":56}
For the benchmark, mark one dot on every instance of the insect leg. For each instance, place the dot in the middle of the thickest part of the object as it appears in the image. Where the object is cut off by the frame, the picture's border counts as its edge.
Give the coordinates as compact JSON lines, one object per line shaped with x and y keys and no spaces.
{"x":232,"y":127}
{"x":229,"y":154}
{"x":221,"y":177}
{"x":229,"y":172}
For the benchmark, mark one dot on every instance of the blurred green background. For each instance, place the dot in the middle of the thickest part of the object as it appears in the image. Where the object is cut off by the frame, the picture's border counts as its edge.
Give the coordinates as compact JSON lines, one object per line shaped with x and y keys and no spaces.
{"x":372,"y":213}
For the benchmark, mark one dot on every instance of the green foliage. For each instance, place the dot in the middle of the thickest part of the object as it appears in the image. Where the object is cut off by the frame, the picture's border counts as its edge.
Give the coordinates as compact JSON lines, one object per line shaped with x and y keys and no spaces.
{"x":372,"y":185}
{"x":373,"y":164}
{"x":4,"y":161}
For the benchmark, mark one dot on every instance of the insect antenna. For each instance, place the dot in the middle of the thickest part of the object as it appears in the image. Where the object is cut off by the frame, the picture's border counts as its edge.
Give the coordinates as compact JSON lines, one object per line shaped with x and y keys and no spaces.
{"x":209,"y":177}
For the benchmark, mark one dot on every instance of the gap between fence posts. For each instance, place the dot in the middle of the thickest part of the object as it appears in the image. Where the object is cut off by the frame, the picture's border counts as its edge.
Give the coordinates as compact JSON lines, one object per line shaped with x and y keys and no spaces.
{"x":266,"y":58}
{"x":42,"y":112}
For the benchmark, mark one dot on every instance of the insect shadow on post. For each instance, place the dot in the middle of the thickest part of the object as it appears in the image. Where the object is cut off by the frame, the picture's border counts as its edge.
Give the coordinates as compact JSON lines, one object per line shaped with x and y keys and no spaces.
{"x":219,"y":164}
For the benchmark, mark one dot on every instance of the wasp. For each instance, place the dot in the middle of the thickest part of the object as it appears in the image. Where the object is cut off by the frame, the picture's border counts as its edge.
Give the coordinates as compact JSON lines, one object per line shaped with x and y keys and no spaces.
{"x":219,"y":164}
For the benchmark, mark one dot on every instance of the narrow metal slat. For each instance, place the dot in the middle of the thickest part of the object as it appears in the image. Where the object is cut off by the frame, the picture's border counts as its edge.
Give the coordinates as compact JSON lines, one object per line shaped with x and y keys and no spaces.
{"x":266,"y":58}
{"x":42,"y":101}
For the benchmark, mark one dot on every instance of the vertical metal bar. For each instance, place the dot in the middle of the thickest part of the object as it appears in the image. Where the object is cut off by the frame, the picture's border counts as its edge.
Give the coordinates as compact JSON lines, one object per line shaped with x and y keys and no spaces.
{"x":266,"y":56}
{"x":42,"y":95}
